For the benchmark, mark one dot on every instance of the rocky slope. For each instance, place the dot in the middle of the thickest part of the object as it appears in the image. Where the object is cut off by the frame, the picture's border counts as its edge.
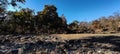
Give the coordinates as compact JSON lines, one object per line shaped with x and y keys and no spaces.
{"x":45,"y":44}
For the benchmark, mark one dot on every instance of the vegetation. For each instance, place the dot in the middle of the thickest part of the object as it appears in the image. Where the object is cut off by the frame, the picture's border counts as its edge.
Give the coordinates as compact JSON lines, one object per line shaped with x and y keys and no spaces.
{"x":47,"y":21}
{"x":109,"y":24}
{"x":26,"y":22}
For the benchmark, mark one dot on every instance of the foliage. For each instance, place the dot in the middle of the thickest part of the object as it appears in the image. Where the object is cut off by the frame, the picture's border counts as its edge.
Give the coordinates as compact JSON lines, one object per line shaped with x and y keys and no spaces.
{"x":26,"y":22}
{"x":48,"y":21}
{"x":109,"y":24}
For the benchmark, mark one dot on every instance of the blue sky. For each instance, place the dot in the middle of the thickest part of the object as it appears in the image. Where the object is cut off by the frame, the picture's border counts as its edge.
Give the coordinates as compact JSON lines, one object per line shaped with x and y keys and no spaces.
{"x":81,"y":10}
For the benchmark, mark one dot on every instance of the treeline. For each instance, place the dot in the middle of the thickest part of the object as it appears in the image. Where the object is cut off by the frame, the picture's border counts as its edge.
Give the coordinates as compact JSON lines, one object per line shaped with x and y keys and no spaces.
{"x":26,"y":22}
{"x":104,"y":25}
{"x":47,"y":21}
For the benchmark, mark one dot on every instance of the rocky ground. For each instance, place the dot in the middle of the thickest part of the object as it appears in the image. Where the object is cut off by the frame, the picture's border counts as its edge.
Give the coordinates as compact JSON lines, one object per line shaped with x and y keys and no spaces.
{"x":45,"y":44}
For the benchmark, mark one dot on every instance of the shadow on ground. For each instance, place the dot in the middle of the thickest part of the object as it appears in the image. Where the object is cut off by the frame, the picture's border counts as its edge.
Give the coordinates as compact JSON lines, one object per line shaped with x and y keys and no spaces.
{"x":103,"y":42}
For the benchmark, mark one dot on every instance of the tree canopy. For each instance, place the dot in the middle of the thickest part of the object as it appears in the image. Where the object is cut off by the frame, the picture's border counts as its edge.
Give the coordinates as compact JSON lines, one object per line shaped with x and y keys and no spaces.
{"x":48,"y":21}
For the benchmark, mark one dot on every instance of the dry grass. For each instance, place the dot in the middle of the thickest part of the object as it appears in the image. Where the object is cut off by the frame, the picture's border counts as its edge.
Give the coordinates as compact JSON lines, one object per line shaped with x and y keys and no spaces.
{"x":80,"y":36}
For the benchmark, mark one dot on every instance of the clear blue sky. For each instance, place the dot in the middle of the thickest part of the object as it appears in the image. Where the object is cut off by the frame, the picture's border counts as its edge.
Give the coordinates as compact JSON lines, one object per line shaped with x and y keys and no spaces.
{"x":81,"y":10}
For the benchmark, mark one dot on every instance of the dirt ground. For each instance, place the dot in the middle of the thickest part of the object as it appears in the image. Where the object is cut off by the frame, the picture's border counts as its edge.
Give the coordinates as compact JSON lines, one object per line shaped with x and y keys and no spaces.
{"x":81,"y":36}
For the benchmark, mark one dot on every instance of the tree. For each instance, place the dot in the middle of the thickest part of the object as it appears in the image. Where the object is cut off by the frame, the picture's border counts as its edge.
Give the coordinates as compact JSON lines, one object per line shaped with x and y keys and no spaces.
{"x":84,"y":27}
{"x":24,"y":19}
{"x":49,"y":20}
{"x":5,"y":3}
{"x":63,"y":24}
{"x":73,"y":27}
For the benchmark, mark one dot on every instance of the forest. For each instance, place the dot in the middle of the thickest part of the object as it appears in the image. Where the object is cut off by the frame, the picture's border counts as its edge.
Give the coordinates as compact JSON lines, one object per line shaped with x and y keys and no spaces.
{"x":47,"y":21}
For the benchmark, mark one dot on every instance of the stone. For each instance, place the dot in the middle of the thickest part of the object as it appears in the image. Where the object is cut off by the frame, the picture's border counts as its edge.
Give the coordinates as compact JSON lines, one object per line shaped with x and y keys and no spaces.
{"x":14,"y":51}
{"x":20,"y":50}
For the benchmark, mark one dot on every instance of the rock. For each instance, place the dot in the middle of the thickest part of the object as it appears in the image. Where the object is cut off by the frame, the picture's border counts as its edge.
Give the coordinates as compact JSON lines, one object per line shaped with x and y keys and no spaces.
{"x":20,"y":50}
{"x":38,"y":52}
{"x":52,"y":45}
{"x":1,"y":52}
{"x":14,"y":51}
{"x":90,"y":52}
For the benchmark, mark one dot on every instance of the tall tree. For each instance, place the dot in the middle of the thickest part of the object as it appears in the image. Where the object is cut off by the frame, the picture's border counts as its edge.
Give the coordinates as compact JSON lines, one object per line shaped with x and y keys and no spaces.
{"x":49,"y":20}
